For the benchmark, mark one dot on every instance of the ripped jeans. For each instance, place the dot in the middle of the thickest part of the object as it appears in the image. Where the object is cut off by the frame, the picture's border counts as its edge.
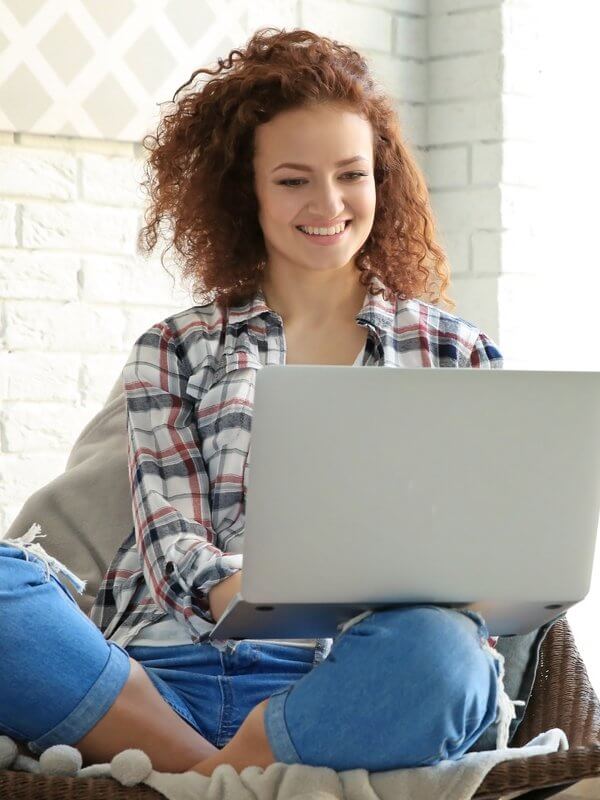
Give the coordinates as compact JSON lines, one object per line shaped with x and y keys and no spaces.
{"x":401,"y":687}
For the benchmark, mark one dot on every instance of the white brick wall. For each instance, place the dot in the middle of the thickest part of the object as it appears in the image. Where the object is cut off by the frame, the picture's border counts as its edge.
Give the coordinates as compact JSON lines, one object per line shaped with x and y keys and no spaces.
{"x":483,"y":165}
{"x":74,"y":295}
{"x":465,"y":150}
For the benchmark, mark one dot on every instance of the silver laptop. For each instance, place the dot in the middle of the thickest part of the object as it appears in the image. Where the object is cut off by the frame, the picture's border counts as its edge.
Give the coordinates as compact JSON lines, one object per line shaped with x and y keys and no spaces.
{"x":375,"y":487}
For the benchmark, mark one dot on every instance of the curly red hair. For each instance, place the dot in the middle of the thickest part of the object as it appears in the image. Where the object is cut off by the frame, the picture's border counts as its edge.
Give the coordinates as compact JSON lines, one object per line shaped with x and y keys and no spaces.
{"x":199,"y":172}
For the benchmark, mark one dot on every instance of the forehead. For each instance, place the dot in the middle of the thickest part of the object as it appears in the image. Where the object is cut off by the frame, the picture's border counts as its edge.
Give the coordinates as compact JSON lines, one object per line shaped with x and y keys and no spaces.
{"x":322,"y":134}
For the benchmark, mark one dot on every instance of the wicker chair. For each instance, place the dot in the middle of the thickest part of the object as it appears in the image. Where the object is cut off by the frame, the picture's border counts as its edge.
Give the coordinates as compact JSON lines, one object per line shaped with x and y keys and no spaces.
{"x":562,"y":697}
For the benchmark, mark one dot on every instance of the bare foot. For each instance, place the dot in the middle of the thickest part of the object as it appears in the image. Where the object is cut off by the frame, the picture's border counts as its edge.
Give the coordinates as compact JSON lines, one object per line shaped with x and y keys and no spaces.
{"x":248,"y":748}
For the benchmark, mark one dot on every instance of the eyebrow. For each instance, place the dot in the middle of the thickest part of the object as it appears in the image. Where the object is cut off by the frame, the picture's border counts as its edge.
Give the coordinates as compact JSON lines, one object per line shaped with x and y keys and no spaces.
{"x":306,"y":168}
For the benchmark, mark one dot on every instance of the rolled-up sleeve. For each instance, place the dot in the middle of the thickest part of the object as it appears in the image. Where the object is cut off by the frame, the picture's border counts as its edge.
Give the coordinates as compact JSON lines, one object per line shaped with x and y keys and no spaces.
{"x":485,"y":353}
{"x":169,"y":481}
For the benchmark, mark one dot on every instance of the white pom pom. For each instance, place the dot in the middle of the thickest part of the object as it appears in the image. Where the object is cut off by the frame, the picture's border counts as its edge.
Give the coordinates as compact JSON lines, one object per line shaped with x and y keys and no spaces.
{"x":130,"y":767}
{"x":8,"y":751}
{"x":61,"y":759}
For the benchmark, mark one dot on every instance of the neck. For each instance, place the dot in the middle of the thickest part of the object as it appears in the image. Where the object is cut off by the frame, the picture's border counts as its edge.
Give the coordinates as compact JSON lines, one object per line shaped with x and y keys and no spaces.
{"x":315,"y":301}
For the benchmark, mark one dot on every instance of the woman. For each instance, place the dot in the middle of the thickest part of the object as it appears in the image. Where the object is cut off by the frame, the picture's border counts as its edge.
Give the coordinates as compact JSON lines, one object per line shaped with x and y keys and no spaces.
{"x":292,"y":199}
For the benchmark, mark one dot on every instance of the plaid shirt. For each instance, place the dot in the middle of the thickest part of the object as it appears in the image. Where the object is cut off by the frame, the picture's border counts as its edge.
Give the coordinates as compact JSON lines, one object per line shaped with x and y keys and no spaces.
{"x":189,"y":387}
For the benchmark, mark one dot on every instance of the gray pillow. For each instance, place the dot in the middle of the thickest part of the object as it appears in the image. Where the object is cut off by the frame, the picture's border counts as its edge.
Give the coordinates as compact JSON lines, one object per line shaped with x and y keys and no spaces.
{"x":86,"y":514}
{"x":86,"y":511}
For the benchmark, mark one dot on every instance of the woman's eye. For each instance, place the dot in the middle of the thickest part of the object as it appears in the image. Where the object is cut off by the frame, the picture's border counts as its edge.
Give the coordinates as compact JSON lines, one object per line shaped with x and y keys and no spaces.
{"x":295,"y":181}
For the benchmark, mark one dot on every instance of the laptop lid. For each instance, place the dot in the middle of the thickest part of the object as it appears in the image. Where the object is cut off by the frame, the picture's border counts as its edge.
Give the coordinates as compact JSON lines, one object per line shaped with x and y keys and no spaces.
{"x":376,"y":486}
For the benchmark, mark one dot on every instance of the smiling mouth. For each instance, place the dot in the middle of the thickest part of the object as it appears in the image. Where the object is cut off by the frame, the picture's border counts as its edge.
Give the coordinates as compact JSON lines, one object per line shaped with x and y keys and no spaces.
{"x":347,"y":224}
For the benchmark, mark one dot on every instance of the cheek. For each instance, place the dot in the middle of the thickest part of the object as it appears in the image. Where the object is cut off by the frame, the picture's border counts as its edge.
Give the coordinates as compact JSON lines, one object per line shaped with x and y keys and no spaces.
{"x":365,"y":210}
{"x":366,"y":201}
{"x":280,"y":210}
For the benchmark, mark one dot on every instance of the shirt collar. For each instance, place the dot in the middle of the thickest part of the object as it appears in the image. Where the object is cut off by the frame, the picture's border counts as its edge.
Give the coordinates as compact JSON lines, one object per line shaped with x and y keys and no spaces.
{"x":375,"y":311}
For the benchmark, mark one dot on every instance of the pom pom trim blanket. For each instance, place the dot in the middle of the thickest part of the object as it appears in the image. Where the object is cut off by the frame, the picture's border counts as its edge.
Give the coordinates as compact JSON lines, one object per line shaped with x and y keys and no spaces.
{"x":448,"y":780}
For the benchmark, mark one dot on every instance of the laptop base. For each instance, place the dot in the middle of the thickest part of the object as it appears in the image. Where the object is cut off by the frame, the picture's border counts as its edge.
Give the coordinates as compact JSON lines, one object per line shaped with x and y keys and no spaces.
{"x":244,"y":620}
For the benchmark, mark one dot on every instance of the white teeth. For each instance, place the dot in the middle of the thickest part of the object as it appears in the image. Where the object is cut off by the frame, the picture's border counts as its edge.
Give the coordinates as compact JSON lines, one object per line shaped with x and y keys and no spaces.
{"x":323,"y":231}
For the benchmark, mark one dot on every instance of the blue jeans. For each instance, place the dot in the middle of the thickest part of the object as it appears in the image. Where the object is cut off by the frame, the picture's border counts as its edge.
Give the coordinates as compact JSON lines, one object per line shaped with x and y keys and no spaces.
{"x":402,"y":687}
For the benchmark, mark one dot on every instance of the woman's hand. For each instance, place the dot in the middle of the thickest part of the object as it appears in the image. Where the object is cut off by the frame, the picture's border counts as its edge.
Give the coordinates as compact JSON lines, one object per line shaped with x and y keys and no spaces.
{"x":221,"y":593}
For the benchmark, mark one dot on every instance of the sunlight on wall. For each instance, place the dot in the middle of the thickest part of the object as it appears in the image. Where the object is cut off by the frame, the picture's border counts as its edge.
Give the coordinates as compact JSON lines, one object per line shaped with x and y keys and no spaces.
{"x":570,"y":174}
{"x":569,"y":130}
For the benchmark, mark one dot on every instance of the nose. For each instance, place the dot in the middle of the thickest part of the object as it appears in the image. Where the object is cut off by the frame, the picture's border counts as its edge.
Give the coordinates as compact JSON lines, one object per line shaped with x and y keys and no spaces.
{"x":327,"y":201}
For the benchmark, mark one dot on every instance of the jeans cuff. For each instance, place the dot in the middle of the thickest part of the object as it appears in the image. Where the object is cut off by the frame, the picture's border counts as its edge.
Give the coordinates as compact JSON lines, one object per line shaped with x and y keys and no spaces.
{"x":92,"y":707}
{"x":276,"y":729}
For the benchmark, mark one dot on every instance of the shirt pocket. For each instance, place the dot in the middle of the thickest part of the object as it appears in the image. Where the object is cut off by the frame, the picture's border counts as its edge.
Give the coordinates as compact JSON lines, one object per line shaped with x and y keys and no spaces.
{"x":232,"y":361}
{"x":216,"y":370}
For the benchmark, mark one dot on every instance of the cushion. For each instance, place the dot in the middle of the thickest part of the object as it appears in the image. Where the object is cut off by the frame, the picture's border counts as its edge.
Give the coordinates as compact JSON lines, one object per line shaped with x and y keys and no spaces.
{"x":521,"y":654}
{"x":86,"y":515}
{"x":86,"y":511}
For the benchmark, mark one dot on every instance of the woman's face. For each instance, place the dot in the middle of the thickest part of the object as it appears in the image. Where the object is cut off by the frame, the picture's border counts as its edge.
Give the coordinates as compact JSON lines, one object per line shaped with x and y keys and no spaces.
{"x":321,"y":192}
